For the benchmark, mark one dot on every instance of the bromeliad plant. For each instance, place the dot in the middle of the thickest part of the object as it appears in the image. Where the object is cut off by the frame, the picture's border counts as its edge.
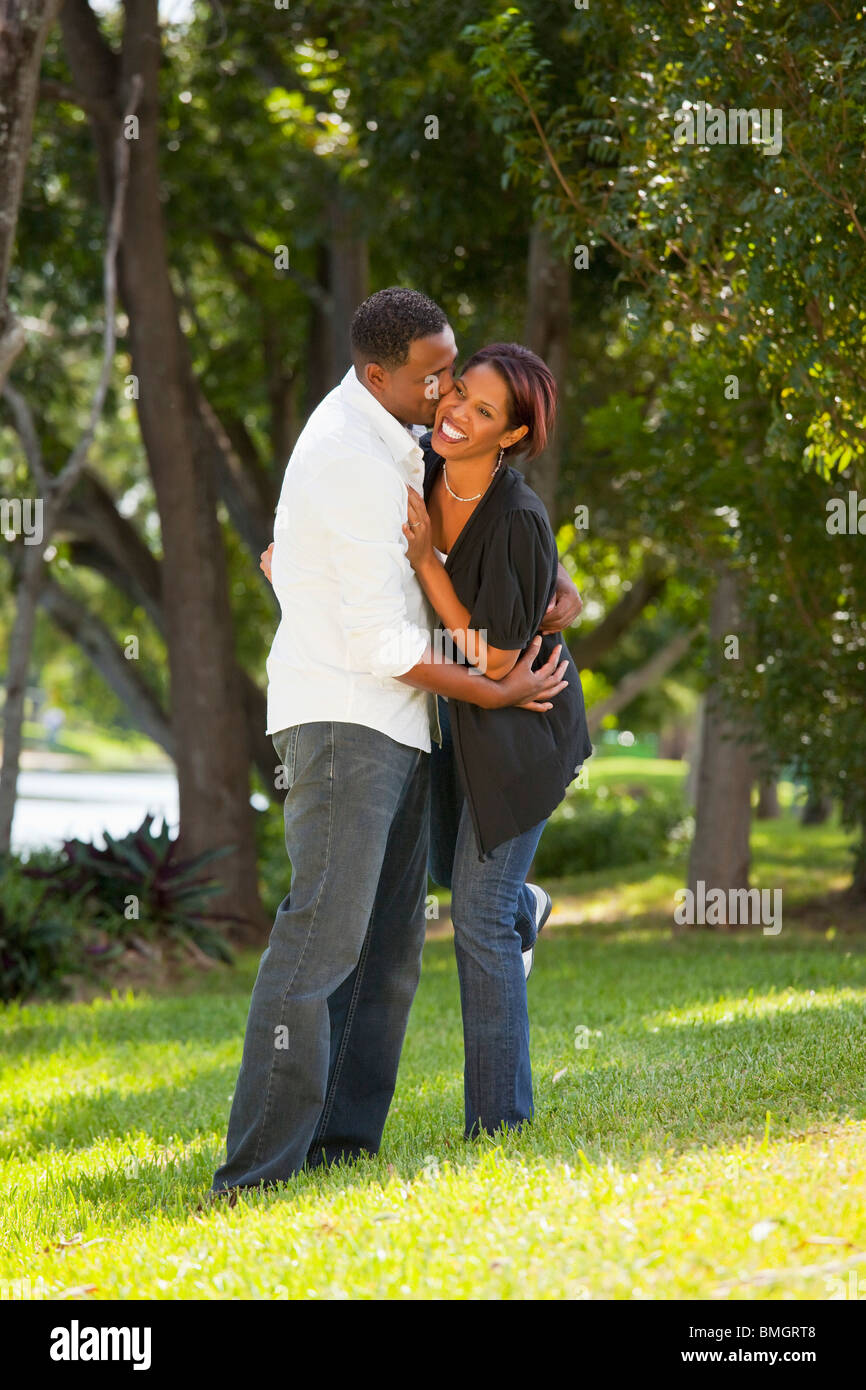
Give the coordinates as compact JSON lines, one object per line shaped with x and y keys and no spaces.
{"x":139,"y":886}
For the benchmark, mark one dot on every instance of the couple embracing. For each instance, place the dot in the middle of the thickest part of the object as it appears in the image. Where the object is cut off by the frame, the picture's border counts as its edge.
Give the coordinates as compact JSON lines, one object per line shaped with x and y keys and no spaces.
{"x":402,"y":747}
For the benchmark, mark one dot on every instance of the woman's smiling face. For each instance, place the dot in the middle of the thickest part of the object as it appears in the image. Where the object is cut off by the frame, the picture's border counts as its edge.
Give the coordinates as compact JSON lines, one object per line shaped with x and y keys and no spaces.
{"x":472,"y":419}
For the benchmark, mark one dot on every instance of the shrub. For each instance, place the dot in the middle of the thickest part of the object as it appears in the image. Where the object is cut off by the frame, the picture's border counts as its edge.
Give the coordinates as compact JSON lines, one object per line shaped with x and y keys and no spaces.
{"x":139,"y":886}
{"x":275,"y":871}
{"x":600,"y":829}
{"x":40,"y":944}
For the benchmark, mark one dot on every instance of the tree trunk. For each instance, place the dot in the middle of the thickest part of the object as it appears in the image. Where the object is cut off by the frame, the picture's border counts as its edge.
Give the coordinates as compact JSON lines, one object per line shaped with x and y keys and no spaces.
{"x":321,"y":363}
{"x":547,"y":325}
{"x":348,"y":276}
{"x":24,"y":26}
{"x":817,"y":809}
{"x":768,"y":799}
{"x":720,"y":850}
{"x":18,"y":670}
{"x":208,"y":724}
{"x":341,"y":274}
{"x":857,"y":891}
{"x":693,"y":752}
{"x":674,"y":740}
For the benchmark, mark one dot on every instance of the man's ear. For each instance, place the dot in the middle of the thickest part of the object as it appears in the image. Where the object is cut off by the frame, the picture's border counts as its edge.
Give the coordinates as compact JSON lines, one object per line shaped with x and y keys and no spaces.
{"x":375,"y":377}
{"x":513,"y":436}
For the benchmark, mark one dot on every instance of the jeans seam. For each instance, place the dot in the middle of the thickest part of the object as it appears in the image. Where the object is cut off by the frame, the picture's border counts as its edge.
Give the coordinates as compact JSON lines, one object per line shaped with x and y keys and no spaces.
{"x":267,"y":1104}
{"x":350,"y":1016}
{"x":347,"y":1028}
{"x":509,"y":1032}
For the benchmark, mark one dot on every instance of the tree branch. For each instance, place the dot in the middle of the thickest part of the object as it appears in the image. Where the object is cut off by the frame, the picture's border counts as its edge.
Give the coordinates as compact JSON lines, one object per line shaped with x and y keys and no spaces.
{"x":61,"y":91}
{"x":25,"y":428}
{"x":88,"y":631}
{"x":588,"y":651}
{"x":637,"y":681}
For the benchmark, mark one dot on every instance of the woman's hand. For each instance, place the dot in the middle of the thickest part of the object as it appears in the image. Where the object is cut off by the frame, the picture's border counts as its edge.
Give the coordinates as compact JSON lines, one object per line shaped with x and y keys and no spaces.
{"x":532,"y":689}
{"x":418,"y":531}
{"x":265,"y":562}
{"x":565,"y":605}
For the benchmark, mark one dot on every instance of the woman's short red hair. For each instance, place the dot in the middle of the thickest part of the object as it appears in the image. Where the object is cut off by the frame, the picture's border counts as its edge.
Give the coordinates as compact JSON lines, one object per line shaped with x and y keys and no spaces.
{"x":531,"y":392}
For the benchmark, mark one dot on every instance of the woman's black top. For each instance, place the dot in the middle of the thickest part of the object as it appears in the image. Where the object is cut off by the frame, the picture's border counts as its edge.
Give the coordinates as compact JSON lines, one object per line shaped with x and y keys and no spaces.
{"x":514,"y":764}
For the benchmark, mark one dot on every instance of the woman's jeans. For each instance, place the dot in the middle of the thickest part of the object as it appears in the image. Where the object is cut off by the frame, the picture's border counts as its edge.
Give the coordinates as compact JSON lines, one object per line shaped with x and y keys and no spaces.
{"x":493,"y":913}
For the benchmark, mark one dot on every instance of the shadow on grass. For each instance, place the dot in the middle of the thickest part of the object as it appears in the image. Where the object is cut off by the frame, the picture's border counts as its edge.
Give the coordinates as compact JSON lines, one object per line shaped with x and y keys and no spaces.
{"x":161,"y":1113}
{"x":688,"y":1085}
{"x":706,"y":1082}
{"x":652,"y":1085}
{"x":148,"y":1018}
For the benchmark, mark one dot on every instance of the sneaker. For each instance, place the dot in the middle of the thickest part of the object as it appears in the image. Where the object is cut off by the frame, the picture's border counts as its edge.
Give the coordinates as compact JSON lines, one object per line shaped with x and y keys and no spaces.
{"x":543,"y":908}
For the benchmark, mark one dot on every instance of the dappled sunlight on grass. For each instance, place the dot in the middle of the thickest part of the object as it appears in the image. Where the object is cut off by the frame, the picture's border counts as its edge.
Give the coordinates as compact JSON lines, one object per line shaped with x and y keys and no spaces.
{"x":773,"y":1004}
{"x":699,"y":1131}
{"x":613,"y":771}
{"x":806,"y":863}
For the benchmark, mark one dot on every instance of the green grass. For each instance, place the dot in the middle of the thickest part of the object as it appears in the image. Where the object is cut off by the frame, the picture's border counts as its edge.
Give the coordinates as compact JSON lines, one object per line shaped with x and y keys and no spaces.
{"x":128,"y":752}
{"x":617,"y":771}
{"x":721,"y":1086}
{"x":700,"y":1125}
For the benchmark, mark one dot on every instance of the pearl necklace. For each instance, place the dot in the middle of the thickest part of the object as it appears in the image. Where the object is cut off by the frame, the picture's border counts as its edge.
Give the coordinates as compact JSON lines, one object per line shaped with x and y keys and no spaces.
{"x":478,"y":494}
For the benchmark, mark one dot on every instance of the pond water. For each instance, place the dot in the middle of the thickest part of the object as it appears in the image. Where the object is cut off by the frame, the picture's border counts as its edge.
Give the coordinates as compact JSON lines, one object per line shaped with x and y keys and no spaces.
{"x":56,"y":806}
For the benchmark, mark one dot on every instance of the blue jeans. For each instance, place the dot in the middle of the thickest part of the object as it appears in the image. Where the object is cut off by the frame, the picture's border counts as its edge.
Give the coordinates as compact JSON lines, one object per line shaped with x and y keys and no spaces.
{"x":493,"y":913}
{"x":332,"y":996}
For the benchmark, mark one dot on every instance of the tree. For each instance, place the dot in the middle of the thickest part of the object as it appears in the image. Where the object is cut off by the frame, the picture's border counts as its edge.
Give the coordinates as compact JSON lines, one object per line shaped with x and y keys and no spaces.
{"x":54,"y":491}
{"x":184,"y":453}
{"x":24,"y":26}
{"x":720,"y":850}
{"x":753,"y":267}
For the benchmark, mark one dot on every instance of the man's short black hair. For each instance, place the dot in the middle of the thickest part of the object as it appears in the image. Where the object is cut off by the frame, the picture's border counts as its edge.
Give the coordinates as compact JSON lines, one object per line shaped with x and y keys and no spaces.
{"x":387,"y":323}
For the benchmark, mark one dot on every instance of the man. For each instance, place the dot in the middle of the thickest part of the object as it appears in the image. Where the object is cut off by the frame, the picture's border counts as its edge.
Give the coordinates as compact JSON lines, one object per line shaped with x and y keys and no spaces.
{"x":350,"y":712}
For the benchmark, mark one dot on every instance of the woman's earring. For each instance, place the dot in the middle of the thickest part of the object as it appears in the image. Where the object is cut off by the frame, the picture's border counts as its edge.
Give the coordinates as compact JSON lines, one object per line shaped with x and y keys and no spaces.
{"x":499,"y":460}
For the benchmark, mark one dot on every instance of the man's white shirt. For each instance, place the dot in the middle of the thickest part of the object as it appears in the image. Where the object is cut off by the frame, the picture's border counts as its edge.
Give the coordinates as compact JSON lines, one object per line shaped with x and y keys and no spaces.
{"x":353,"y":614}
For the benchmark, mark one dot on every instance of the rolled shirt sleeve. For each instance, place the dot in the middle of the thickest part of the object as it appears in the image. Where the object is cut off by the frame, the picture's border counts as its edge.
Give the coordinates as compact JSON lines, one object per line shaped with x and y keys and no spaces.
{"x":367,"y":506}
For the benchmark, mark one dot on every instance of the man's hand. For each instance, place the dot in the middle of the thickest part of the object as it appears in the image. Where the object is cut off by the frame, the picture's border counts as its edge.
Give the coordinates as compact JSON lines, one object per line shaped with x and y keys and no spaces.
{"x":265,"y":562}
{"x":565,"y":605}
{"x":532,"y":689}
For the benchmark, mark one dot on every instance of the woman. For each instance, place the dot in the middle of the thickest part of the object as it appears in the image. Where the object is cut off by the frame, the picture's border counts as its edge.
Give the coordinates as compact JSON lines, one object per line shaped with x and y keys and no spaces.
{"x":484,"y":552}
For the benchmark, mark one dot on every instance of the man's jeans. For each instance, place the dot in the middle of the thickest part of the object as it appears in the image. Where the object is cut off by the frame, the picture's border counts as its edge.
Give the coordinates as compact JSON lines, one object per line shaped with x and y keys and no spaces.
{"x":493,"y":913}
{"x":335,"y":985}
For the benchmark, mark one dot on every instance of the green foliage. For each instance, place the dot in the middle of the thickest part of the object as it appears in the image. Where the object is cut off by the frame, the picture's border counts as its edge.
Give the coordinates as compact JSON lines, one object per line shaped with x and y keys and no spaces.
{"x":40,"y":943}
{"x":737,"y":265}
{"x":291,"y":127}
{"x":275,"y":871}
{"x":601,"y":829}
{"x":141,"y":885}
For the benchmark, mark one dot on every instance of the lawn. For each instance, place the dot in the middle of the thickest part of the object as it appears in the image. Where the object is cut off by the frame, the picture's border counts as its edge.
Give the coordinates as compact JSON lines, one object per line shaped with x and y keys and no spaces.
{"x":700,"y":1128}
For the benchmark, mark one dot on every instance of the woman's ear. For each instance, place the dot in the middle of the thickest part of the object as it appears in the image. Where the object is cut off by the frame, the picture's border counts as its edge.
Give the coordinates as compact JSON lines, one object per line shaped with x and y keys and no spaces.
{"x":513,"y":436}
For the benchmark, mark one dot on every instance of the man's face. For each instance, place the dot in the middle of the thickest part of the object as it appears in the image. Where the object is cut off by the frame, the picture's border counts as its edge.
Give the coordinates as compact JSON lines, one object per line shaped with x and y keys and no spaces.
{"x":412,"y":392}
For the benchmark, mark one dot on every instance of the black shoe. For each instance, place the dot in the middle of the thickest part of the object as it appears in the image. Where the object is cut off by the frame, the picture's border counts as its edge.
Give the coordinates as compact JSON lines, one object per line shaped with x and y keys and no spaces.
{"x":223,"y":1196}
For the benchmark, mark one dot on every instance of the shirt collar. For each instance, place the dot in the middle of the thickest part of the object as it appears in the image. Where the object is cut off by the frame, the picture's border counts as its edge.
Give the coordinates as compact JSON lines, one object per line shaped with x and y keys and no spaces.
{"x":399,"y":439}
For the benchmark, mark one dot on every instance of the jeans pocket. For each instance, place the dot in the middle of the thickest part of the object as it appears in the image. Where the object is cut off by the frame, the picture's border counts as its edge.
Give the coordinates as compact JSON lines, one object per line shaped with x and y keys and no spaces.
{"x":286,"y":746}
